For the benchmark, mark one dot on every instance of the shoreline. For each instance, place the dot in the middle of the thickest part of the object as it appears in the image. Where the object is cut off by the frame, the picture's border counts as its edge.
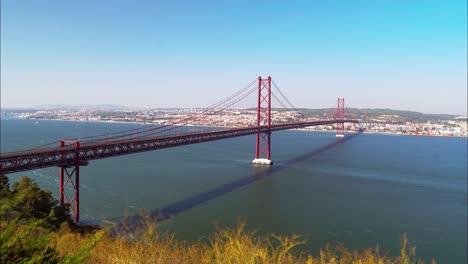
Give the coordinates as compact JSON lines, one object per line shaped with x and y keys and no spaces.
{"x":208,"y":126}
{"x":379,"y":133}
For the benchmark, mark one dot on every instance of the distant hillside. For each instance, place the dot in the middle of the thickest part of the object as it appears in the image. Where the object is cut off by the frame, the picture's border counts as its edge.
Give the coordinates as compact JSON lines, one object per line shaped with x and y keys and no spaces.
{"x":384,"y":114}
{"x":79,"y":107}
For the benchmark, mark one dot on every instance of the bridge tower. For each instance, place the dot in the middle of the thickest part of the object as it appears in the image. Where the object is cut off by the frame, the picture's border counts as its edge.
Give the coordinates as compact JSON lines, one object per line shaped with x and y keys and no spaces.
{"x":340,"y":115}
{"x":263,"y":140}
{"x":72,"y":173}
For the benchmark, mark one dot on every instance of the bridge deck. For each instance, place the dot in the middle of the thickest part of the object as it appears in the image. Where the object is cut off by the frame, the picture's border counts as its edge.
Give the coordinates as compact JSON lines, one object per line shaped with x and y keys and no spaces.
{"x":64,"y":156}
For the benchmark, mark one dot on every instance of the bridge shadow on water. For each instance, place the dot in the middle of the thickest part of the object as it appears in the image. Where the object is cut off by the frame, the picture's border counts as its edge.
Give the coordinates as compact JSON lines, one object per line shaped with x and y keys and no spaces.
{"x":169,"y":211}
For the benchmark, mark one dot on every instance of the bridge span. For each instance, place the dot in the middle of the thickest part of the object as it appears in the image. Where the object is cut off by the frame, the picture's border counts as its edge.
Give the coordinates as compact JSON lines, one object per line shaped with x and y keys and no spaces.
{"x":83,"y":153}
{"x":70,"y":155}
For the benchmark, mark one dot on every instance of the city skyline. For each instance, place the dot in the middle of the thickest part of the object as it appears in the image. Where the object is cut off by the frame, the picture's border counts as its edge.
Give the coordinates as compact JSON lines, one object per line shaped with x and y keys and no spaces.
{"x":398,"y":55}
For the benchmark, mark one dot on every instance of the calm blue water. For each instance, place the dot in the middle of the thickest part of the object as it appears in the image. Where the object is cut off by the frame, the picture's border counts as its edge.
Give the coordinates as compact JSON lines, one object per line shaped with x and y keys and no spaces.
{"x":368,"y":190}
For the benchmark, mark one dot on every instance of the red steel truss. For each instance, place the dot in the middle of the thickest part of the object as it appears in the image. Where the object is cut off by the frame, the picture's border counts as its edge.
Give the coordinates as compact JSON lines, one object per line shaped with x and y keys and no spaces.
{"x":264,"y":118}
{"x":340,"y":115}
{"x":70,"y":171}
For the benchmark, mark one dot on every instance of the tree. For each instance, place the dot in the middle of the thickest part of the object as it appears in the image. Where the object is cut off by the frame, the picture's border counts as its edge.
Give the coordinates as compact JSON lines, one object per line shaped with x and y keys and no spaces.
{"x":27,"y":215}
{"x":4,"y":186}
{"x":25,"y":201}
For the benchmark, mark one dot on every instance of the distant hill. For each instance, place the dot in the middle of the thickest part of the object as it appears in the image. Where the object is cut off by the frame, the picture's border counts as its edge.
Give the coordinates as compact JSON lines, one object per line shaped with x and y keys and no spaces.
{"x":79,"y":107}
{"x":354,"y":113}
{"x":383,"y":114}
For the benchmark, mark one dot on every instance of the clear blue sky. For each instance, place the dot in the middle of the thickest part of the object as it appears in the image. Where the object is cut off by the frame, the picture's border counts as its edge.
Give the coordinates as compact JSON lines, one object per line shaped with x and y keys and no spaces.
{"x":399,"y":54}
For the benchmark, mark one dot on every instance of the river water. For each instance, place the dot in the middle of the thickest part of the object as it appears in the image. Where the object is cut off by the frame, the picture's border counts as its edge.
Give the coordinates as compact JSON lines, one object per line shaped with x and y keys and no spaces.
{"x":366,"y":190}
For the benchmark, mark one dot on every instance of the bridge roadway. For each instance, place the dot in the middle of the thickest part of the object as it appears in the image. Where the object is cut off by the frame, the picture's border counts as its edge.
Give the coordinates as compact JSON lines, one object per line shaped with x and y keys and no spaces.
{"x":66,"y":156}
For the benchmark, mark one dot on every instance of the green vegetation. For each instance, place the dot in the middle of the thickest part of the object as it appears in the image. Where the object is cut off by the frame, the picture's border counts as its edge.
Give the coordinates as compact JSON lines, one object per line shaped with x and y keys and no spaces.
{"x":27,"y":215}
{"x":34,"y":229}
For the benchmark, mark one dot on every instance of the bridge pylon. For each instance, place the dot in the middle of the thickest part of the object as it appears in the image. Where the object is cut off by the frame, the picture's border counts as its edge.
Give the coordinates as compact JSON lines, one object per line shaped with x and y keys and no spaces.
{"x":340,"y":115}
{"x":263,"y":139}
{"x":72,"y":173}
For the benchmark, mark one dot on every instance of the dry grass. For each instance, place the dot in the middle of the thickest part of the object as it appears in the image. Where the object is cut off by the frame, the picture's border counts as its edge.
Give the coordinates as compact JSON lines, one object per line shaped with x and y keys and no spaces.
{"x":227,"y":245}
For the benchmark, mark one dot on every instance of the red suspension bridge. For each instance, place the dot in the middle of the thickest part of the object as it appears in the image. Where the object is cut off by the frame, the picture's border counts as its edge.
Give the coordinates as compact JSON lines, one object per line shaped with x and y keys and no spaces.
{"x":71,"y":154}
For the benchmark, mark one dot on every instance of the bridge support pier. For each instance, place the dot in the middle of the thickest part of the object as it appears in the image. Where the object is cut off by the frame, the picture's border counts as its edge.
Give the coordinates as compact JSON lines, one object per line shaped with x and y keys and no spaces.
{"x":263,"y":139}
{"x":72,"y":173}
{"x":340,"y":115}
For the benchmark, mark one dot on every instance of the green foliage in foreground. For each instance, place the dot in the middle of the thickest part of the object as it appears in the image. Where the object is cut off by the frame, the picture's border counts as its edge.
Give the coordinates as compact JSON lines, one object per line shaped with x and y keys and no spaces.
{"x":34,"y":229}
{"x":27,"y":216}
